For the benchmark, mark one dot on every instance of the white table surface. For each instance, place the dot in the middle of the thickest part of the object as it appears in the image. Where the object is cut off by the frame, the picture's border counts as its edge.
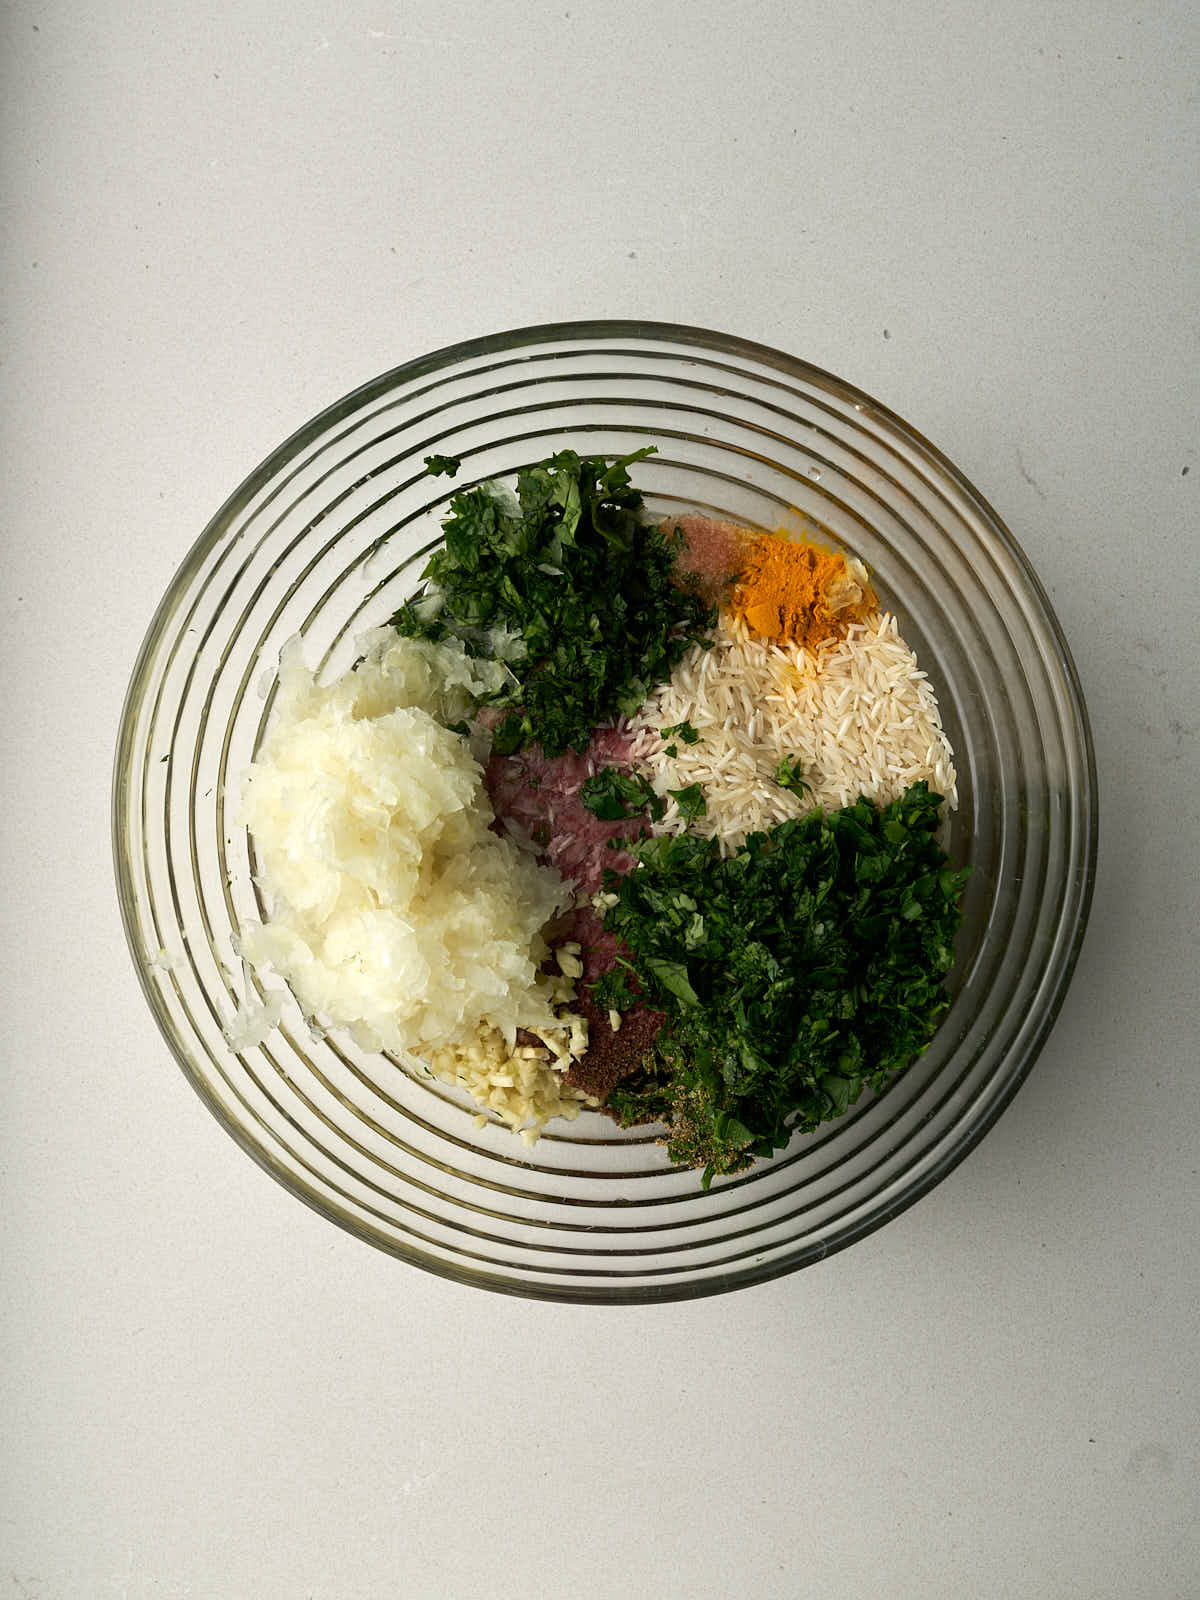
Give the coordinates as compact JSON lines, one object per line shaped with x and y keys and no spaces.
{"x":221,"y":218}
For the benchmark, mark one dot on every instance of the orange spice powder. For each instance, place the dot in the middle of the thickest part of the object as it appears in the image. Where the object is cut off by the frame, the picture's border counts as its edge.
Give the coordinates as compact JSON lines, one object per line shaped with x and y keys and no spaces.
{"x":799,"y":591}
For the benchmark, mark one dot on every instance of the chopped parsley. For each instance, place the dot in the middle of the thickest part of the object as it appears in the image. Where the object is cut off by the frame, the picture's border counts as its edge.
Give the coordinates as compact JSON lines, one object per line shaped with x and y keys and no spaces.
{"x":788,"y":776}
{"x":613,"y":991}
{"x":691,"y":802}
{"x":795,"y":973}
{"x":578,"y":585}
{"x":612,"y":795}
{"x":435,"y":466}
{"x":678,"y":730}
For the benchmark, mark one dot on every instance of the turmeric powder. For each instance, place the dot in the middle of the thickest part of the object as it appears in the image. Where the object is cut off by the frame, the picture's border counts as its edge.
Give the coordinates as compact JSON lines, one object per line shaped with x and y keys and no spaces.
{"x":799,"y":591}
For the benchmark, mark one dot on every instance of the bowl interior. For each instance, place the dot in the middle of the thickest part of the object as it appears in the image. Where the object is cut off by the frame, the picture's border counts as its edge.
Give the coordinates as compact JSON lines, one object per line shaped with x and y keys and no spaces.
{"x":325,"y":540}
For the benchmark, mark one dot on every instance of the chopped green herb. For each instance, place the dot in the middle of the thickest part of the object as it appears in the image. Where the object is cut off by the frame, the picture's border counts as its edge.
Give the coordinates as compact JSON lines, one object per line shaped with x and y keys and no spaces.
{"x":672,"y":976}
{"x":586,"y":585}
{"x":612,"y":795}
{"x":788,"y":776}
{"x":684,"y":730}
{"x":815,"y":970}
{"x":691,"y":802}
{"x":613,"y":991}
{"x":435,"y":466}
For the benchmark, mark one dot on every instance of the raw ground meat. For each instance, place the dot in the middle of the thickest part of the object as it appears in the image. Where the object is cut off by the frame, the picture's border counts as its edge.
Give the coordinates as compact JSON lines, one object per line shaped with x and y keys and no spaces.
{"x":539,"y":797}
{"x":611,"y":1057}
{"x":712,"y":550}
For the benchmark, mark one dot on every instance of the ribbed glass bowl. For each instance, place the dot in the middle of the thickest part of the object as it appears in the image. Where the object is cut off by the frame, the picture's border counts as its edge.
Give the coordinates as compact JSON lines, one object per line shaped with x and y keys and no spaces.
{"x":329,"y":535}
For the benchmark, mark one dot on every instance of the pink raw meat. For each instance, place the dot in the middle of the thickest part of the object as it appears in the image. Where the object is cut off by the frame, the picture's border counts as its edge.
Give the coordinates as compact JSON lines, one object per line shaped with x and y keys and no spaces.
{"x":541,"y":796}
{"x":713,"y":550}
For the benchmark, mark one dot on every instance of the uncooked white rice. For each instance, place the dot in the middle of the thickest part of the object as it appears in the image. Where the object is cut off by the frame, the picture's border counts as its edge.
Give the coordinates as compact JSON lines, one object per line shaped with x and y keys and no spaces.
{"x":858,"y":713}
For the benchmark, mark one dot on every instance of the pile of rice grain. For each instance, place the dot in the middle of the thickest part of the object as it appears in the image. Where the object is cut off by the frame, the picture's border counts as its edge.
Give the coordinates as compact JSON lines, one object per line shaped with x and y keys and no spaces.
{"x":857,"y":712}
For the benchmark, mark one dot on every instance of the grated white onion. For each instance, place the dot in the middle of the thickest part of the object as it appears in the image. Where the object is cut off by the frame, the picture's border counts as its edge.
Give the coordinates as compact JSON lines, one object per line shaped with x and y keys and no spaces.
{"x":395,"y":910}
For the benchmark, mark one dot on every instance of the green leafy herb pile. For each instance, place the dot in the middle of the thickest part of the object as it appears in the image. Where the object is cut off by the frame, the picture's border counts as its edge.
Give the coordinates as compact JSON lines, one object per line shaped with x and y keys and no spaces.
{"x":613,"y":795}
{"x":570,"y":587}
{"x":794,"y":973}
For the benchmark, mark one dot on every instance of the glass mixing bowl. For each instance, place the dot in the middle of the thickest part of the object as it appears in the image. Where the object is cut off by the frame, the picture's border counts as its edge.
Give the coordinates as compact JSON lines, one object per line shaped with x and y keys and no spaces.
{"x":330,"y":534}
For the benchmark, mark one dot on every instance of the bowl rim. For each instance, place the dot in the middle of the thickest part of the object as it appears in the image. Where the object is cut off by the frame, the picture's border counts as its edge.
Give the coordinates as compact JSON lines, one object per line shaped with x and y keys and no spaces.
{"x":670,"y":334}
